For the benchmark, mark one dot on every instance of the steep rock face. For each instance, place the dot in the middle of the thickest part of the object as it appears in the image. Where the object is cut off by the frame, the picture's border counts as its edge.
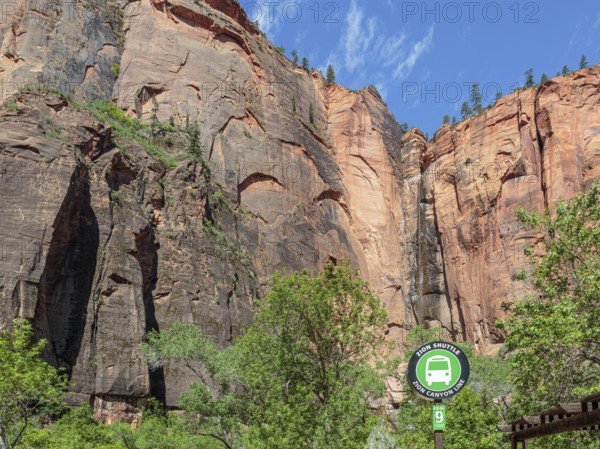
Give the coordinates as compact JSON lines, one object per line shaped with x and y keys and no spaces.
{"x":37,"y":175}
{"x":312,"y":163}
{"x":568,"y":126}
{"x":101,"y":244}
{"x":478,"y":174}
{"x":531,"y":149}
{"x":422,"y":252}
{"x":366,"y":143}
{"x":99,"y":248}
{"x":253,"y":109}
{"x":69,"y":46}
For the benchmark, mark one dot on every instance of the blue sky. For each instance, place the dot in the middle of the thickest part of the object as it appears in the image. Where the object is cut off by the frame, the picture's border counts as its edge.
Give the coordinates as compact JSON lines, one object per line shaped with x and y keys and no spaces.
{"x":422,"y":56}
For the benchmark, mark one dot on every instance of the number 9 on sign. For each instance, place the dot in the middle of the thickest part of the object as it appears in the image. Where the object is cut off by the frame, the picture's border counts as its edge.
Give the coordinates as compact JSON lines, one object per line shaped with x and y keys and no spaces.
{"x":438,"y":416}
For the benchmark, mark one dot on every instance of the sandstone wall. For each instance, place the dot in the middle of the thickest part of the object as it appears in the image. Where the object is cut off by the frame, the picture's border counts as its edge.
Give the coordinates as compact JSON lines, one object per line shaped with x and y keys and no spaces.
{"x":100,"y":245}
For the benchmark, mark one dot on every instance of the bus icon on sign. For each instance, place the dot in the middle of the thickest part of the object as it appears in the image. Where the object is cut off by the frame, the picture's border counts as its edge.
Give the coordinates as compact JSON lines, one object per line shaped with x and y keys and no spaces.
{"x":438,"y":370}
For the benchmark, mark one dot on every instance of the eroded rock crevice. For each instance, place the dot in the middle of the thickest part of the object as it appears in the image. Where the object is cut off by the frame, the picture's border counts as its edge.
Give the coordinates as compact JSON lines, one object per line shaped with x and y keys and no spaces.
{"x":66,"y":284}
{"x":146,"y":254}
{"x":540,"y":140}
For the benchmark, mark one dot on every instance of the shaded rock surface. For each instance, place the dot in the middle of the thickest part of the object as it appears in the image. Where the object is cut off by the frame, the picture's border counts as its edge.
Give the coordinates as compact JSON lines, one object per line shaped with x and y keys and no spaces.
{"x":98,"y":249}
{"x":101,"y":244}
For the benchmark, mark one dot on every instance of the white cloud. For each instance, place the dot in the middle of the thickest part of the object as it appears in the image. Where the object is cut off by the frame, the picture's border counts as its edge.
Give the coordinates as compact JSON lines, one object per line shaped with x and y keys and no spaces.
{"x":392,"y":50}
{"x":301,"y":37}
{"x":373,"y":56}
{"x":405,"y":67}
{"x":574,"y":37}
{"x":270,"y":14}
{"x":357,"y":39}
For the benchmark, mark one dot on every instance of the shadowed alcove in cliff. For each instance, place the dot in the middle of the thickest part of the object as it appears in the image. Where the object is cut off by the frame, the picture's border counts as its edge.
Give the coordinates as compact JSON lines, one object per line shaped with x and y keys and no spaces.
{"x":65,"y":286}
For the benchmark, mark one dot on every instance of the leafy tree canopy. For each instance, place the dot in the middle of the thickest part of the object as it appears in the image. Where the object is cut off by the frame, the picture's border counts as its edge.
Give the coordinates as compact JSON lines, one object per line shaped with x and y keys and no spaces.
{"x":30,"y":389}
{"x":554,"y":333}
{"x":301,"y":377}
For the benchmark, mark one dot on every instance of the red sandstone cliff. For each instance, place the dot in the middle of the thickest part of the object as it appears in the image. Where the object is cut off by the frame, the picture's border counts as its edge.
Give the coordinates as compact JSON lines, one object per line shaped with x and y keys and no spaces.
{"x":103,"y":243}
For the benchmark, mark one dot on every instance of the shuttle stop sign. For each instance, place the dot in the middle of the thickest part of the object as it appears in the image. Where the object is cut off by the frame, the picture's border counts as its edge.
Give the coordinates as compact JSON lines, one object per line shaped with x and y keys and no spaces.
{"x":438,"y":370}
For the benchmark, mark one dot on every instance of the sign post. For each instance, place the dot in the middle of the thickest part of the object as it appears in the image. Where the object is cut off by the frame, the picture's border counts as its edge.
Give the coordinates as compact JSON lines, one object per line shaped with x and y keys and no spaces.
{"x":438,"y":371}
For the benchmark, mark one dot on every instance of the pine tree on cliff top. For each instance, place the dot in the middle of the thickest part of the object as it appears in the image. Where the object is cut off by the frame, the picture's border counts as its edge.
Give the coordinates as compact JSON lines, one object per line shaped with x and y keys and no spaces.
{"x":330,"y":74}
{"x":466,"y":110}
{"x":529,"y":79}
{"x":476,"y":98}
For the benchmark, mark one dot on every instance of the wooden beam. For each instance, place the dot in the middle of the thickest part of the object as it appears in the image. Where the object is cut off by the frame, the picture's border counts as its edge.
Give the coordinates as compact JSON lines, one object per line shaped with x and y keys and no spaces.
{"x":533,"y":420}
{"x":592,"y":398}
{"x":576,"y":422}
{"x":571,"y":408}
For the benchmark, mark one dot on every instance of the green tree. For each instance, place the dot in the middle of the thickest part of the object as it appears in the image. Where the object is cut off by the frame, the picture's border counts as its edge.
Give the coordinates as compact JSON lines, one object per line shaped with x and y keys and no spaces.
{"x":446,"y":120}
{"x":299,"y":378}
{"x":305,"y":64}
{"x":472,"y":419}
{"x":30,"y":389}
{"x":294,"y":54}
{"x":217,"y":414}
{"x":330,"y":74}
{"x":77,"y":429}
{"x":565,"y":70}
{"x":555,"y":334}
{"x":381,"y":437}
{"x":583,"y":63}
{"x":193,"y":147}
{"x":311,"y":114}
{"x":454,"y":120}
{"x":544,"y":78}
{"x":305,"y":361}
{"x":466,"y":110}
{"x":529,"y":79}
{"x":420,"y":335}
{"x":476,"y":98}
{"x":154,"y":123}
{"x":472,"y":415}
{"x":115,"y":70}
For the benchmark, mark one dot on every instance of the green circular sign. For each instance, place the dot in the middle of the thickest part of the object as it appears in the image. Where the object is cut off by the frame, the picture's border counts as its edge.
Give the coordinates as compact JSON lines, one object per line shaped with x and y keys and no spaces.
{"x":438,"y":370}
